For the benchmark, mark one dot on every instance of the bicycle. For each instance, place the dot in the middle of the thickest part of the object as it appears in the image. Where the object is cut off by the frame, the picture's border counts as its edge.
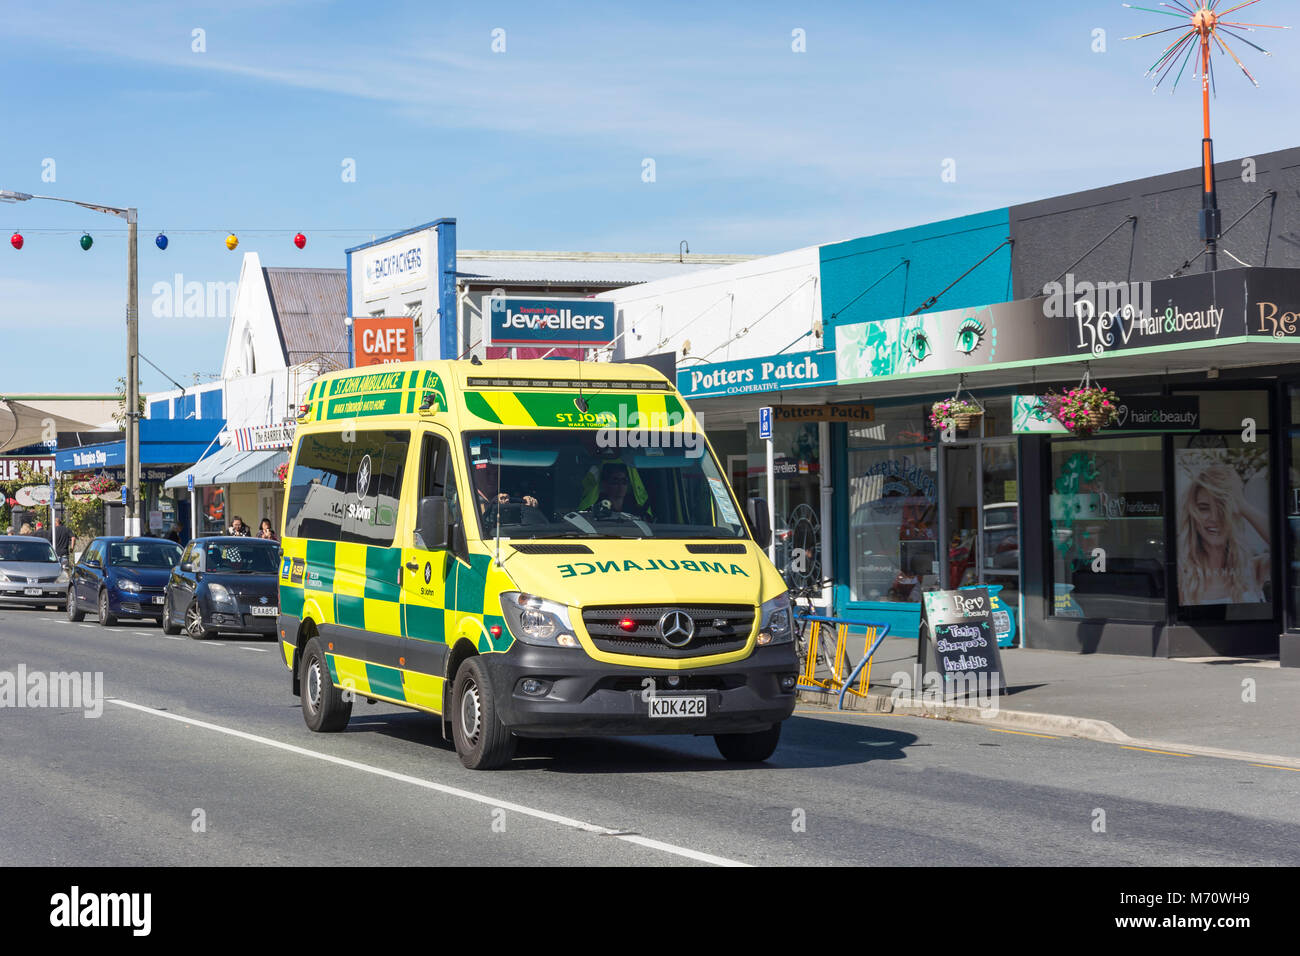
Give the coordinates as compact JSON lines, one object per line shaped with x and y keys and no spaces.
{"x":826,"y":637}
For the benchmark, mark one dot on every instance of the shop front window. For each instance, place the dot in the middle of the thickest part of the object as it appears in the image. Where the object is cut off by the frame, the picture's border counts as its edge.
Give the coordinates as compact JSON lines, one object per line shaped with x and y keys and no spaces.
{"x":796,"y":500}
{"x":1107,"y":528}
{"x":893,"y":499}
{"x":1221,"y":486}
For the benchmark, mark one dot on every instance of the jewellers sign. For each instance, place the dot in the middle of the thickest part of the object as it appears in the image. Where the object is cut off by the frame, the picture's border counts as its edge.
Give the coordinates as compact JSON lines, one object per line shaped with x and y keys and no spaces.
{"x":549,"y":322}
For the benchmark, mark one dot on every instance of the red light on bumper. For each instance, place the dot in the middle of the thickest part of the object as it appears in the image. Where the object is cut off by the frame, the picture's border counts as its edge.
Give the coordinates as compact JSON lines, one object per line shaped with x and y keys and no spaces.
{"x":627,"y":624}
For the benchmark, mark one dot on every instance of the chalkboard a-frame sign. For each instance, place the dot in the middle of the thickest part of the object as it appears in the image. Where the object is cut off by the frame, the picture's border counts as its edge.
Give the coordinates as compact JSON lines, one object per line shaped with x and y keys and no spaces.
{"x":959,"y":625}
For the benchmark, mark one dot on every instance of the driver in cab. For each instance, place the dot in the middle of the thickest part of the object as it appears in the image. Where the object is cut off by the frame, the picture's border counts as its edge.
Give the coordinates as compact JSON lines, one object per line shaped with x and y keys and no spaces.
{"x":486,"y":487}
{"x":616,"y":493}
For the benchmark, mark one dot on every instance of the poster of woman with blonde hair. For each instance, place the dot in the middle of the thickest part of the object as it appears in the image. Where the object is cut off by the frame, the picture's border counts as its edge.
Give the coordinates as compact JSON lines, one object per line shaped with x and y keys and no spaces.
{"x":1223,"y":534}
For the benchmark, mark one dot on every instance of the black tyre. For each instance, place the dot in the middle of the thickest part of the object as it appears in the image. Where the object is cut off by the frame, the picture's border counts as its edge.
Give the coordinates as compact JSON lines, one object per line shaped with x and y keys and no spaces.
{"x":194,"y":626}
{"x":168,"y":625}
{"x":106,"y":617}
{"x":324,"y":707}
{"x":74,"y":613}
{"x":482,"y":741}
{"x":749,"y":748}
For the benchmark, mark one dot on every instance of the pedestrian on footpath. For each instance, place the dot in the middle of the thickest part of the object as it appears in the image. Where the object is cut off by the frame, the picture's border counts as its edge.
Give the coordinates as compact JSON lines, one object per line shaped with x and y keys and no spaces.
{"x":264,"y":530}
{"x":64,"y":540}
{"x":238,"y":528}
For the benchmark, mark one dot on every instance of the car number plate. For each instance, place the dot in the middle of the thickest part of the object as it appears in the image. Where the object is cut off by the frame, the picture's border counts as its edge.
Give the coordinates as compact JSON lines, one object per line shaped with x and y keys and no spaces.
{"x":158,"y":599}
{"x":36,"y":591}
{"x":259,"y":611}
{"x":679,"y":706}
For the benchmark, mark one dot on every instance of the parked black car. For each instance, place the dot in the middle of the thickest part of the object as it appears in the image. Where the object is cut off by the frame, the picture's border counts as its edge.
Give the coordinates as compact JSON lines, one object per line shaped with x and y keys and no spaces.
{"x":224,"y":584}
{"x":121,"y":577}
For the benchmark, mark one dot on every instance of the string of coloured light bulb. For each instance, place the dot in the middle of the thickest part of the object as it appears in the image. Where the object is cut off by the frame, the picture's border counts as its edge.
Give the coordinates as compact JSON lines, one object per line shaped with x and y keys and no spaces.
{"x":1203,"y":31}
{"x":18,"y":240}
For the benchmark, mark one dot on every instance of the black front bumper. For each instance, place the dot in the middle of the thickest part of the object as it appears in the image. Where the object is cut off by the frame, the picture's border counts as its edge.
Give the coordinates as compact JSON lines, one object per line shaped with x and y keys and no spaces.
{"x":586,"y":697}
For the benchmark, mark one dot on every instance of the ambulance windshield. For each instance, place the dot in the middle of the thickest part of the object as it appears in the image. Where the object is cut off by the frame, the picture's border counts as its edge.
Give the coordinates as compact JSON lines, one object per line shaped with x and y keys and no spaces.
{"x":598,"y":484}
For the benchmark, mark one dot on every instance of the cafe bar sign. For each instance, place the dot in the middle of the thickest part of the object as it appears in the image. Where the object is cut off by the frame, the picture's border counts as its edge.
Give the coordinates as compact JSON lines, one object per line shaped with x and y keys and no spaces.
{"x":1152,"y":413}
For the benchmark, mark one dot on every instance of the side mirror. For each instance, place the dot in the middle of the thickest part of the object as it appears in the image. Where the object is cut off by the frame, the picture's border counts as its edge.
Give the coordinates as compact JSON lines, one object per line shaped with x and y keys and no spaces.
{"x":187,"y":566}
{"x":434,"y":517}
{"x":759,"y":523}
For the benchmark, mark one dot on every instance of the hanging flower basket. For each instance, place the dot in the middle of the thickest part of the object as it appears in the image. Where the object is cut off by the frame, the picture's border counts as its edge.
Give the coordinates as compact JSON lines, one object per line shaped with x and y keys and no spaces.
{"x":102,"y":484}
{"x":1084,"y":410}
{"x":959,"y":412}
{"x":282,"y":471}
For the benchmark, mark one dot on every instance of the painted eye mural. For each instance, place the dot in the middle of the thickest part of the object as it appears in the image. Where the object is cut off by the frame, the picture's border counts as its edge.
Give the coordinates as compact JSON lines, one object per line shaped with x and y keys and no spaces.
{"x":969,"y":335}
{"x":917,"y":344}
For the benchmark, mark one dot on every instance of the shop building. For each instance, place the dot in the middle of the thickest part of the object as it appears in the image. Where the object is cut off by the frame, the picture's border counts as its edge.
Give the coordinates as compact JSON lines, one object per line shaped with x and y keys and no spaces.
{"x":1171,"y":534}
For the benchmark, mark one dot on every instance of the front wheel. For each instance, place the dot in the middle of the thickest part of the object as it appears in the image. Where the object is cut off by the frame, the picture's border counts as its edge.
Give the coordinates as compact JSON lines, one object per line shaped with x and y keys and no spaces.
{"x":71,"y":607}
{"x":324,"y":707}
{"x":106,"y":617}
{"x":749,"y":748}
{"x":482,"y":741}
{"x":194,"y":625}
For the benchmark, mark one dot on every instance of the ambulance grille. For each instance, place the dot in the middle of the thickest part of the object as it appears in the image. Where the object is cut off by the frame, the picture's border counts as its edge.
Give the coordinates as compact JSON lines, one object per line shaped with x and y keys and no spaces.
{"x":551,"y":548}
{"x":719,"y":628}
{"x":716,"y":548}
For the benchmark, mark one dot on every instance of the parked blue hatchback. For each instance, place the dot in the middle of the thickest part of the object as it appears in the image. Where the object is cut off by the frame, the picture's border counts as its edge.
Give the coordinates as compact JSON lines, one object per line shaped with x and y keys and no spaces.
{"x":122,"y":577}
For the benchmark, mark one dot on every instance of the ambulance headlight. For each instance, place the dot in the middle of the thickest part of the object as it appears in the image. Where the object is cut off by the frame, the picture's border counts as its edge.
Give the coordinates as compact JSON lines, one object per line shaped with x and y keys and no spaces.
{"x":774,"y":621}
{"x":535,"y":620}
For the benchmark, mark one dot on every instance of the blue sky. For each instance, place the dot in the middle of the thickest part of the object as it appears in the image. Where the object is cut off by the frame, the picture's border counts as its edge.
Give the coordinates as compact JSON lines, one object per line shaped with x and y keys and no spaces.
{"x":757,"y":149}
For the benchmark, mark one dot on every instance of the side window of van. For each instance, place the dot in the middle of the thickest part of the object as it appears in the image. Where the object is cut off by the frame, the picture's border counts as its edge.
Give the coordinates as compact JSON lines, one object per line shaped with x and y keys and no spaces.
{"x":347,"y":491}
{"x":373,"y":488}
{"x":438,"y":478}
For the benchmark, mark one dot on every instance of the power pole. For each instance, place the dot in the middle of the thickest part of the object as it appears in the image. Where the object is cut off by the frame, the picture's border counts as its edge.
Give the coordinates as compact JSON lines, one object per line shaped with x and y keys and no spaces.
{"x":132,"y":378}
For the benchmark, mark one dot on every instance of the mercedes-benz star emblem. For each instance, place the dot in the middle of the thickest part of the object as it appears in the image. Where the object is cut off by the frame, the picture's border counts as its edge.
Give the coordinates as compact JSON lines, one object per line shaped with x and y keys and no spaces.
{"x":363,"y":477}
{"x":676,"y":628}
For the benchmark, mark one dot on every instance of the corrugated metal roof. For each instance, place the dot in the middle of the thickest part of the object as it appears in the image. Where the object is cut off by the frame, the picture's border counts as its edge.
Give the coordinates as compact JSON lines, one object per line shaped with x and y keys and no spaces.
{"x":229,"y":466}
{"x":310,"y":305}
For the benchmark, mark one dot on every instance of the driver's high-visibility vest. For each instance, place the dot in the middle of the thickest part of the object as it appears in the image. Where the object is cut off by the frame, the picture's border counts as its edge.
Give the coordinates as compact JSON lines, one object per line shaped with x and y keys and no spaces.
{"x":591,"y":487}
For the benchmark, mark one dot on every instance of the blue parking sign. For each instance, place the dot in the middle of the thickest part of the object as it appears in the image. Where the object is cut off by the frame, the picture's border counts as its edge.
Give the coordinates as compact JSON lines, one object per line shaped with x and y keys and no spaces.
{"x":190,"y":481}
{"x":765,"y":422}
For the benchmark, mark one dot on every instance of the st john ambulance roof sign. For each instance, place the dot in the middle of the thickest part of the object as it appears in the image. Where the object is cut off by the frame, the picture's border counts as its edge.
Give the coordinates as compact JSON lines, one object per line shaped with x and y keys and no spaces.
{"x":549,"y":322}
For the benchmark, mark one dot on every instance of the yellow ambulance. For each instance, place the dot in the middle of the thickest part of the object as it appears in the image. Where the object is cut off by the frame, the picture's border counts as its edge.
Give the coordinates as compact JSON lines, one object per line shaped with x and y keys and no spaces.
{"x":527,"y":549}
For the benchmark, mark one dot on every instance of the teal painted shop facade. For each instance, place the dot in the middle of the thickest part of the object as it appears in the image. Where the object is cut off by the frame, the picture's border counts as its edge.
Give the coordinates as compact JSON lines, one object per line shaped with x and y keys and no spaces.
{"x":1096,"y":542}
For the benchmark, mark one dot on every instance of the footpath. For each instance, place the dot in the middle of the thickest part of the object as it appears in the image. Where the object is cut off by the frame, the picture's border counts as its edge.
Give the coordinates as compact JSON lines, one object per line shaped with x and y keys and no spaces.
{"x":1241,"y":708}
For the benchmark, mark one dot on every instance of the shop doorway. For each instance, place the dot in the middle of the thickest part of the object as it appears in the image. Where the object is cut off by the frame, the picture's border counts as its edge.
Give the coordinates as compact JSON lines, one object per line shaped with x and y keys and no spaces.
{"x":980,"y":517}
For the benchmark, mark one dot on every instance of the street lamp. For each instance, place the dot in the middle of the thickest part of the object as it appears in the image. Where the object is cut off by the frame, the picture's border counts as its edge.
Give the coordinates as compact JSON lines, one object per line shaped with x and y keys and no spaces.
{"x":132,"y":347}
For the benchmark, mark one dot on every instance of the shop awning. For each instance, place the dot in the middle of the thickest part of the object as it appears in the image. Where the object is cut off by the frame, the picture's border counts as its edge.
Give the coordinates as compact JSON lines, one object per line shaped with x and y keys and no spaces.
{"x":231,"y":466}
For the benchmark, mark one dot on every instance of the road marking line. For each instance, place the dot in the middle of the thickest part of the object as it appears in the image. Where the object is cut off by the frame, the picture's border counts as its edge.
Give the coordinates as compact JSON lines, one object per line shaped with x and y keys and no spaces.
{"x":85,"y":625}
{"x":1273,"y":766}
{"x":439,"y":787}
{"x":848,"y":713}
{"x":171,"y":637}
{"x":260,"y":650}
{"x":1023,"y":733}
{"x":1166,"y":753}
{"x":143,"y":633}
{"x":211,"y":644}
